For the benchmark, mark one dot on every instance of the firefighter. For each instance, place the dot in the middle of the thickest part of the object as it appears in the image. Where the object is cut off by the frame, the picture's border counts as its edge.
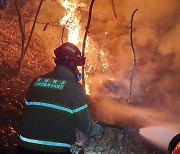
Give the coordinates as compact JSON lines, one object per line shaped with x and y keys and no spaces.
{"x":56,"y":105}
{"x":174,"y":145}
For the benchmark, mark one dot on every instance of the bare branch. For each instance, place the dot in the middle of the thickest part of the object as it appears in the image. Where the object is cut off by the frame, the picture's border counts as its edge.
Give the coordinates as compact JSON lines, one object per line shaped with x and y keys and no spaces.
{"x":62,"y":34}
{"x":134,"y":56}
{"x":131,"y":77}
{"x":22,"y":30}
{"x":85,"y":37}
{"x":44,"y":23}
{"x":56,"y":24}
{"x":114,"y":10}
{"x":24,"y":48}
{"x":45,"y":27}
{"x":33,"y":27}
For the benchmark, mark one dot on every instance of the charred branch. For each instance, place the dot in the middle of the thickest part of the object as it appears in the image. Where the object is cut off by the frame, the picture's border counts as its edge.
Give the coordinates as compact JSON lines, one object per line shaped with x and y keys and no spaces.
{"x":22,"y":30}
{"x":34,"y":23}
{"x":85,"y":37}
{"x":26,"y":20}
{"x":114,"y":10}
{"x":24,"y":48}
{"x":62,"y":34}
{"x":134,"y":56}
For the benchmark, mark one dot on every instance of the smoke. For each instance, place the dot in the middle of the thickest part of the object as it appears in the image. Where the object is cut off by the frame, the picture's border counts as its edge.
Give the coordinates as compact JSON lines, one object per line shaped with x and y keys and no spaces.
{"x":156,"y":30}
{"x":120,"y":113}
{"x":156,"y":37}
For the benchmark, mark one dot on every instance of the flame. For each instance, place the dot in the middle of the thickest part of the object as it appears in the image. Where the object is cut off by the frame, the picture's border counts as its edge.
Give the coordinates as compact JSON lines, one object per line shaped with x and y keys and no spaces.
{"x":96,"y":60}
{"x":71,"y":20}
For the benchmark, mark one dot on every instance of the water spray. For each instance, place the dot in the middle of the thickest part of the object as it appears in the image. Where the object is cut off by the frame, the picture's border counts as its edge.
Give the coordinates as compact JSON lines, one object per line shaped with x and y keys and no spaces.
{"x":159,"y":135}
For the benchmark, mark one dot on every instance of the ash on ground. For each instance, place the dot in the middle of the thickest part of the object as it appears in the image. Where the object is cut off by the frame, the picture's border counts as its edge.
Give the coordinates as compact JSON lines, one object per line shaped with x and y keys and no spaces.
{"x":112,"y":143}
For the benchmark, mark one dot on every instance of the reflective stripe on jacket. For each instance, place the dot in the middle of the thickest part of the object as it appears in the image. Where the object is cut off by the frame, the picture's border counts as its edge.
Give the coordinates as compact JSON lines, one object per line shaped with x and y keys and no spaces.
{"x":55,"y":106}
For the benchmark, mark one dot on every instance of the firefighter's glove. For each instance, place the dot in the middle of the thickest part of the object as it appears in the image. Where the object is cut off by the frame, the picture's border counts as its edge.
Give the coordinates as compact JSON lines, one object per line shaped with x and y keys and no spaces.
{"x":97,"y":131}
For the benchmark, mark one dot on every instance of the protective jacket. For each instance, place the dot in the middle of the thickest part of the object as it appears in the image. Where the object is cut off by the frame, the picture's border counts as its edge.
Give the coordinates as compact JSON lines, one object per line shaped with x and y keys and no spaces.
{"x":55,"y":106}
